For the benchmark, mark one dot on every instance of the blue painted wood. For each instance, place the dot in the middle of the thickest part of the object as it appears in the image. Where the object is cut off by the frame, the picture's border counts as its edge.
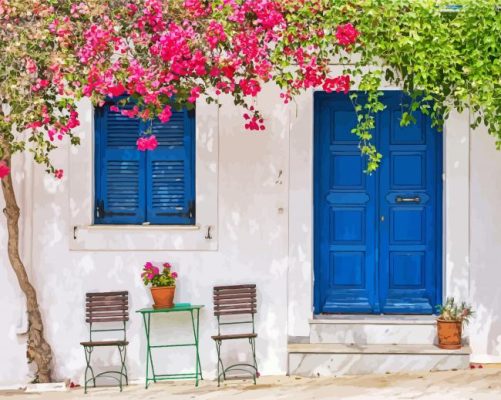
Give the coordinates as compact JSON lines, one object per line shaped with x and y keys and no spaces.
{"x":120,"y":176}
{"x":411,"y":236}
{"x":170,"y":171}
{"x":134,"y":187}
{"x":345,"y":213}
{"x":378,"y":237}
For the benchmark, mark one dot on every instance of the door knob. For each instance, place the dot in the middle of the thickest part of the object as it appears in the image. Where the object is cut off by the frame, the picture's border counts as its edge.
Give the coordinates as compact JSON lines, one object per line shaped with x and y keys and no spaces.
{"x":382,"y":218}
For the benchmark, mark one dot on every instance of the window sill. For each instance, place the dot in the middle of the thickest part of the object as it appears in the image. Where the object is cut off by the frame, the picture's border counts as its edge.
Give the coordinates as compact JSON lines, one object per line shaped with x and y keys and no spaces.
{"x":143,"y":237}
{"x":142,"y":228}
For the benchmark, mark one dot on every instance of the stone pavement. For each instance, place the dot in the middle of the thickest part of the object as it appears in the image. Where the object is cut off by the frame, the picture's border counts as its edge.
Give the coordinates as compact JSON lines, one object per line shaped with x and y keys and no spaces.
{"x":478,"y":384}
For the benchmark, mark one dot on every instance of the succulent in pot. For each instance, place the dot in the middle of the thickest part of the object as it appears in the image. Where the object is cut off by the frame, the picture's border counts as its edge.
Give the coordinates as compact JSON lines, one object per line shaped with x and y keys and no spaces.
{"x":450,"y":322}
{"x":163,"y":284}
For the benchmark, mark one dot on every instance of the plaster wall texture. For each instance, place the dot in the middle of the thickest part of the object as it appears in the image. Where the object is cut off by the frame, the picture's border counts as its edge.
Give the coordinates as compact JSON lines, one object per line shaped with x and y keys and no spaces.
{"x":261,"y":217}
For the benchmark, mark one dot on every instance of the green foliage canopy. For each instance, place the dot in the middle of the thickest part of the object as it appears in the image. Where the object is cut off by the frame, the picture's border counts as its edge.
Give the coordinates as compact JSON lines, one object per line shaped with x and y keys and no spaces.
{"x":444,"y":56}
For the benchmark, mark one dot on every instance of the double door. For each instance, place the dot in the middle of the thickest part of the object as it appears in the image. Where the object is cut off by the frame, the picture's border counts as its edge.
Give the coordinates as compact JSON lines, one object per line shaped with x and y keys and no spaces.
{"x":378,"y":237}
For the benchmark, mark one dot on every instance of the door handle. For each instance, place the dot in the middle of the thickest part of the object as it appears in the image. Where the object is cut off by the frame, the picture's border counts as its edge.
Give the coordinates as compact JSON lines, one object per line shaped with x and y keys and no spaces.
{"x":401,"y":199}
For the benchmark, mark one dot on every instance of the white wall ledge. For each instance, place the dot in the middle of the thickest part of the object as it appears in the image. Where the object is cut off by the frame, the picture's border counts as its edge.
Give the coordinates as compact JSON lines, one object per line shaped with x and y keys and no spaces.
{"x":143,"y":238}
{"x":142,"y":228}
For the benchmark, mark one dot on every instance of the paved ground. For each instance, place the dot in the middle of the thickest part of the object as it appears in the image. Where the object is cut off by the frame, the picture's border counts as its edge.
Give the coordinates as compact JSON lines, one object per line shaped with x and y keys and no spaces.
{"x":478,"y":384}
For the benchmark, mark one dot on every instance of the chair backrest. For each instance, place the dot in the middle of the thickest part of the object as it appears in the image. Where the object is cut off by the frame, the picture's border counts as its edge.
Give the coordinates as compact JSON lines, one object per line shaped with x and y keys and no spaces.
{"x":234,"y":300}
{"x":106,"y":307}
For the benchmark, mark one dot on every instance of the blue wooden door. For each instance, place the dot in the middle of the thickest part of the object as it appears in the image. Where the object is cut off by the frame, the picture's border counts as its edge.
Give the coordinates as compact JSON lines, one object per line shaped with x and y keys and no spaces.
{"x":377,"y":237}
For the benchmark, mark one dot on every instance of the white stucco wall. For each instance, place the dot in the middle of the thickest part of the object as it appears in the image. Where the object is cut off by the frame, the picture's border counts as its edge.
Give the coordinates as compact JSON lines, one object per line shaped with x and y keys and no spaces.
{"x":262,"y":221}
{"x":14,"y":368}
{"x":485,"y":242}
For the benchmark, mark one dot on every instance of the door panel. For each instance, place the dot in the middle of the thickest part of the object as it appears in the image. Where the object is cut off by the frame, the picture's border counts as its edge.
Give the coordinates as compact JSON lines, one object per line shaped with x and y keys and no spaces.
{"x":377,"y":237}
{"x":347,"y":211}
{"x":410,"y":230}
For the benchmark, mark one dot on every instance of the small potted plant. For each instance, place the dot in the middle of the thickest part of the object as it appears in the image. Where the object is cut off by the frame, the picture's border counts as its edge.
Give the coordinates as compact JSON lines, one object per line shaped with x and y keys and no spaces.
{"x":163,"y":284}
{"x":450,"y":323}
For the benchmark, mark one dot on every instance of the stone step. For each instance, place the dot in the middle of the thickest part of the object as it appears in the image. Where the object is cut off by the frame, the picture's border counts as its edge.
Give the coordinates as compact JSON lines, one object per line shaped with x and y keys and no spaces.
{"x":340,"y":359}
{"x":370,"y":330}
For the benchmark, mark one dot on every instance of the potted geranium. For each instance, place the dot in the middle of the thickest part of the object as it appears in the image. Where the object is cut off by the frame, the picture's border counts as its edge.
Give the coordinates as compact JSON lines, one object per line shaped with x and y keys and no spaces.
{"x":450,"y":323}
{"x":163,"y":284}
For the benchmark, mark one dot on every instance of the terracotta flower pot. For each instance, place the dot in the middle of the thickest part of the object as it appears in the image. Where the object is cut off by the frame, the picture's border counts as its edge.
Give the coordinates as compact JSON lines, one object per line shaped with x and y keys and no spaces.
{"x":449,"y":334}
{"x":163,"y":296}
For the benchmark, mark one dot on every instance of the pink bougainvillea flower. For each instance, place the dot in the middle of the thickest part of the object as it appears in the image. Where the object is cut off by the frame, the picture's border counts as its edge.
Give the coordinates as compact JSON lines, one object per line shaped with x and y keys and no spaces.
{"x":338,"y":84}
{"x":58,"y":173}
{"x":173,"y":274}
{"x":4,"y":169}
{"x":147,"y":143}
{"x":194,"y":94}
{"x":346,"y":34}
{"x":116,"y":90}
{"x":250,"y":87}
{"x":31,"y":66}
{"x":167,"y":265}
{"x":165,"y":115}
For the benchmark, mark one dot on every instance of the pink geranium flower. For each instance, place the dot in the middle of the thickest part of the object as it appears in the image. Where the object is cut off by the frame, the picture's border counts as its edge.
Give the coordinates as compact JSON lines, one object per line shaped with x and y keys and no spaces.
{"x":151,"y":275}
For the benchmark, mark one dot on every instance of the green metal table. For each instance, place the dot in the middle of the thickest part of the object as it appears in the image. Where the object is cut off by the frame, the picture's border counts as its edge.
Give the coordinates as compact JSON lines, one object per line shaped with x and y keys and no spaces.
{"x":195,"y":322}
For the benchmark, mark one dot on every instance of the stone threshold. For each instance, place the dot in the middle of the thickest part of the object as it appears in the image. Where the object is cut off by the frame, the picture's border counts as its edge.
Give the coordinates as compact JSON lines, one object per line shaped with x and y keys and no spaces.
{"x":329,"y":348}
{"x":374,"y":319}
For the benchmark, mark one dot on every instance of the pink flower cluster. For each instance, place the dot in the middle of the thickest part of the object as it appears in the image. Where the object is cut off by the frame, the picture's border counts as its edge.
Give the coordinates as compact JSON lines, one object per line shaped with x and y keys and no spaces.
{"x":338,"y":84}
{"x":250,"y":87}
{"x":4,"y":169}
{"x":215,"y":34}
{"x":156,"y":277}
{"x":254,"y":122}
{"x":164,"y":57}
{"x":147,"y":143}
{"x":346,"y":34}
{"x":228,"y":47}
{"x":150,"y":271}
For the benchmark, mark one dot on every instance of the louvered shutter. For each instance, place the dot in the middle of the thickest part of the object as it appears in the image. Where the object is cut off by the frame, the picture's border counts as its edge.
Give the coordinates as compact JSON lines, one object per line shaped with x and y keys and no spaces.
{"x":170,"y":172}
{"x":120,"y":172}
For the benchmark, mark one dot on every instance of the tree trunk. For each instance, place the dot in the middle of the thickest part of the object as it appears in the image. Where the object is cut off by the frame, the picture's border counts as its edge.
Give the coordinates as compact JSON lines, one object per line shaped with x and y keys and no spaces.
{"x":38,"y":349}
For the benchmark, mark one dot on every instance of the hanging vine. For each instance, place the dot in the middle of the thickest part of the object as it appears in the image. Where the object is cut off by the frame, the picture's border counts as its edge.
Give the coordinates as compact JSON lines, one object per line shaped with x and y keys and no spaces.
{"x":443,"y":56}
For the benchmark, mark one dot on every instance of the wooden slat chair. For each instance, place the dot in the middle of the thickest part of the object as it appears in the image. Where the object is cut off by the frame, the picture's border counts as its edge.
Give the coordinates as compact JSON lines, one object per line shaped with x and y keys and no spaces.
{"x":103,"y":308}
{"x":239,"y":300}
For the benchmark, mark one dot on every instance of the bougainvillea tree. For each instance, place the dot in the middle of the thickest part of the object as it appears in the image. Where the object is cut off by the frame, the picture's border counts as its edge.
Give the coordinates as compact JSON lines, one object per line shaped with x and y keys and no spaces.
{"x":154,"y":54}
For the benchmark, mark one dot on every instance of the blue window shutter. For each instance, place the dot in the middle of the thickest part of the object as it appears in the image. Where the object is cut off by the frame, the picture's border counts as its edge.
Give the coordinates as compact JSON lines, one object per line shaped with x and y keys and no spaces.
{"x":170,"y":171}
{"x":120,"y":172}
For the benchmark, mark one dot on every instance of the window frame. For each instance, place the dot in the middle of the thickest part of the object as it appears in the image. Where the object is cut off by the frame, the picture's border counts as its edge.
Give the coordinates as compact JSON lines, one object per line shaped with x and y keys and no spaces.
{"x":146,"y":214}
{"x":86,"y":236}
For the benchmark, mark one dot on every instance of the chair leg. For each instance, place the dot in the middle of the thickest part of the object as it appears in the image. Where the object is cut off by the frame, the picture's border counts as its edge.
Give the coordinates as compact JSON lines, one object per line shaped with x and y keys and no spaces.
{"x":220,"y":366}
{"x":252,"y":342}
{"x":88,"y":367}
{"x":123,"y":369}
